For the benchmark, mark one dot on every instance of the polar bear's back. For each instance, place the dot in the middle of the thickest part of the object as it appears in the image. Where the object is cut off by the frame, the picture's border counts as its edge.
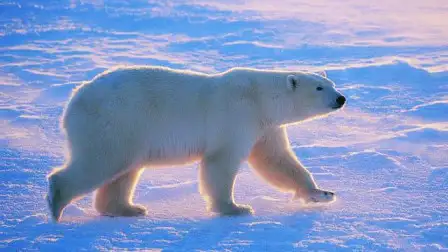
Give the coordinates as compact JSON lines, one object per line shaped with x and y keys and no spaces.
{"x":156,"y":108}
{"x":149,"y":82}
{"x":145,"y":88}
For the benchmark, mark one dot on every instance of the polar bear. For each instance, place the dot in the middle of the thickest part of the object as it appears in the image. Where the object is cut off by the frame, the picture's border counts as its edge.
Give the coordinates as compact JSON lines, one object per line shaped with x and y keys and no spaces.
{"x":134,"y":117}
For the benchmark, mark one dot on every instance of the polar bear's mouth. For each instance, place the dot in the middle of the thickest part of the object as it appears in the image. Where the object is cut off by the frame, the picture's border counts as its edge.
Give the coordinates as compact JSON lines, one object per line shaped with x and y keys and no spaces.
{"x":337,"y":106}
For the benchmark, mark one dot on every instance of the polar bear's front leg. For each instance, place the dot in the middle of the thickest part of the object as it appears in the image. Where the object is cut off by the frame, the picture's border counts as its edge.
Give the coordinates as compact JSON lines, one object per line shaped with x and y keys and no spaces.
{"x":115,"y":198}
{"x":217,"y":175}
{"x":274,"y":160}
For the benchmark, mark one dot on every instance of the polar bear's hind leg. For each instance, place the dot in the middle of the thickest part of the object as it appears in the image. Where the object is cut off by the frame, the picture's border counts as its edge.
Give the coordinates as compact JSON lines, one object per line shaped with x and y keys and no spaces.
{"x":115,"y":198}
{"x":77,"y":178}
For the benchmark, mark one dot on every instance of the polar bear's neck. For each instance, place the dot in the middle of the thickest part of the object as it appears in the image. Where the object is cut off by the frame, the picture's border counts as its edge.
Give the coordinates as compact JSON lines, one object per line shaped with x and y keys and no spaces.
{"x":260,"y":91}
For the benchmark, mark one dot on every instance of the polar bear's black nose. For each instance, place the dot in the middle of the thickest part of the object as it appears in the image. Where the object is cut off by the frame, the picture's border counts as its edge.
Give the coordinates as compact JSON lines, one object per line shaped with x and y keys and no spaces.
{"x":340,"y":100}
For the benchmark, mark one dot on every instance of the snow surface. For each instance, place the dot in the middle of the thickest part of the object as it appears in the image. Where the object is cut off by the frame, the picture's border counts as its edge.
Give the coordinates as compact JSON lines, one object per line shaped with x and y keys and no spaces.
{"x":385,"y":154}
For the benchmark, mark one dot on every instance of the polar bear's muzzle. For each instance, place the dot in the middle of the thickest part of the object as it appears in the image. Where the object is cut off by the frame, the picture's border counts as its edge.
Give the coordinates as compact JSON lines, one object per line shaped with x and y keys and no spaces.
{"x":340,"y":101}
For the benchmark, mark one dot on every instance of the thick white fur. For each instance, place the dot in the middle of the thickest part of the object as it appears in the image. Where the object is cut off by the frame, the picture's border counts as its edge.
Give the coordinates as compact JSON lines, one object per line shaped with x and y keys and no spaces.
{"x":130,"y":118}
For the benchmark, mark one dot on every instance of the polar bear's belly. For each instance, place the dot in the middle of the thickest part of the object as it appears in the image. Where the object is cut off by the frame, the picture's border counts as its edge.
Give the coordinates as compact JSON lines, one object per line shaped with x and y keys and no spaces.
{"x":172,"y":148}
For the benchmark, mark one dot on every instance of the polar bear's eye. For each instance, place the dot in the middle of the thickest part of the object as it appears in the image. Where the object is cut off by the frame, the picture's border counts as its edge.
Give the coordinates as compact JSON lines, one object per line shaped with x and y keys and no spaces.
{"x":319,"y":88}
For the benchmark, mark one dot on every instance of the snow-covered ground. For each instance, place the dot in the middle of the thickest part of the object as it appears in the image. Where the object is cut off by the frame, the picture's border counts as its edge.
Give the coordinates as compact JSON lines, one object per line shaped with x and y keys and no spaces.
{"x":385,"y":154}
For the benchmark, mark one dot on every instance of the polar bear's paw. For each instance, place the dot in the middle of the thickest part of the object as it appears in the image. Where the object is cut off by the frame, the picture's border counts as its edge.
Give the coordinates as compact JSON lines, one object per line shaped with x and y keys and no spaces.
{"x":233,"y":209}
{"x":126,"y":211}
{"x":55,"y":200}
{"x":318,"y":196}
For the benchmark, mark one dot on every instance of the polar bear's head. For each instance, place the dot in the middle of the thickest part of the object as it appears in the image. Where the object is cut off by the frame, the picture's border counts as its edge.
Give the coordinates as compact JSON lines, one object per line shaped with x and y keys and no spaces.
{"x":305,"y":96}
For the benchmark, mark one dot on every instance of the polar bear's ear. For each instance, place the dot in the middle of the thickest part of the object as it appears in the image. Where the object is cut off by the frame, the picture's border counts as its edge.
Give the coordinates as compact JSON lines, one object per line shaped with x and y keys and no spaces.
{"x":322,"y":73}
{"x":292,"y":82}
